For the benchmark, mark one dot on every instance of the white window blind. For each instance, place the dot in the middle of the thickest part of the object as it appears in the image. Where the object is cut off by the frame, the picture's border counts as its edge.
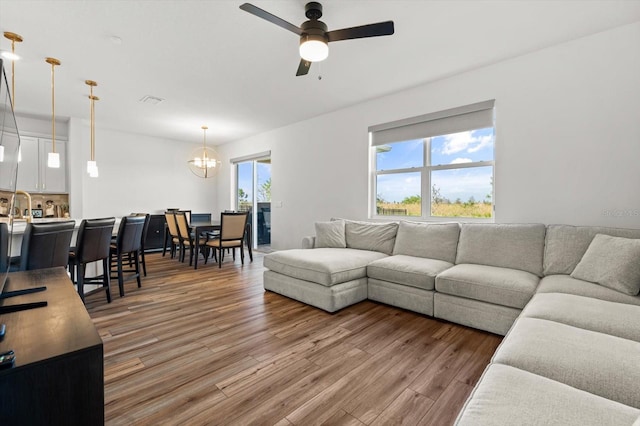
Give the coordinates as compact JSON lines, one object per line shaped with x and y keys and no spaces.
{"x":251,"y":157}
{"x":454,"y":120}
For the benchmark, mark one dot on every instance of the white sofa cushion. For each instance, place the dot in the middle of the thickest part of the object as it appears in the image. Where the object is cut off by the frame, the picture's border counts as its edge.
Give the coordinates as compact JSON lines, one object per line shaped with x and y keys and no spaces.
{"x":566,"y":284}
{"x":613,"y":262}
{"x":502,"y":286}
{"x":430,"y":240}
{"x":326,"y":266}
{"x":510,"y":396}
{"x":380,"y":237}
{"x":565,"y":245}
{"x":615,"y":319}
{"x":330,"y":234}
{"x":408,"y":270}
{"x":515,"y":246}
{"x":594,"y":362}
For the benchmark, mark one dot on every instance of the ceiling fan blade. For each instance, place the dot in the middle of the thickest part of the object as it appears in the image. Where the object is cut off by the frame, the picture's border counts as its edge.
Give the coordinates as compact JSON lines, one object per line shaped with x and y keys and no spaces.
{"x":254,"y":10}
{"x":371,"y":30}
{"x":303,"y":68}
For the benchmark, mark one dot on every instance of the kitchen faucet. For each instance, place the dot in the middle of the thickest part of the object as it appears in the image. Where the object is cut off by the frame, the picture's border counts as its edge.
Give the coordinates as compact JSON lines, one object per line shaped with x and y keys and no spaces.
{"x":29,"y":216}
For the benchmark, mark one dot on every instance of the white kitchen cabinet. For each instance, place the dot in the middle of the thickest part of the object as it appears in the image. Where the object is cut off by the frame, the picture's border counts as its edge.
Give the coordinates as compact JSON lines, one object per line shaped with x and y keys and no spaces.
{"x":33,"y":173}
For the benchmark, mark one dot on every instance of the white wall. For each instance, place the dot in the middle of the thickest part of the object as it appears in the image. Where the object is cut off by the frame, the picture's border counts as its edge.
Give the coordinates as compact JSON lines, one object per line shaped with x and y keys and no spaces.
{"x":137,"y":174}
{"x":567,"y":141}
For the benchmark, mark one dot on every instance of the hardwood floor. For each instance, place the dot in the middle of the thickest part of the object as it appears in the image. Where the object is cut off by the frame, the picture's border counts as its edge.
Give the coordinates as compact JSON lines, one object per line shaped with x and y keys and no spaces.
{"x":212,"y":347}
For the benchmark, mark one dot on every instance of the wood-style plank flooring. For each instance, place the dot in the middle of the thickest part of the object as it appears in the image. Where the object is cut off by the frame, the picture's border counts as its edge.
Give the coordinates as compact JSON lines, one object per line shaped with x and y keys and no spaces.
{"x":212,"y":347}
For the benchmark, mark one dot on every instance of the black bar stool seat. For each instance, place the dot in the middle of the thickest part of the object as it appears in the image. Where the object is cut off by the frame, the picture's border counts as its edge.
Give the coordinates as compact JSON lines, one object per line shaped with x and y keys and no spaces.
{"x":92,"y":244}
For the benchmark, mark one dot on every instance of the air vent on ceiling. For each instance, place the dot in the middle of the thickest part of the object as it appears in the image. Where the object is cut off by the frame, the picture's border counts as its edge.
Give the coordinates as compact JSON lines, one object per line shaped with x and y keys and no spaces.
{"x":151,"y":100}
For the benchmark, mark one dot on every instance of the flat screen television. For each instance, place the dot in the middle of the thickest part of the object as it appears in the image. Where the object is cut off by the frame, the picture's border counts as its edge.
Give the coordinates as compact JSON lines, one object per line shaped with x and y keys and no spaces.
{"x":9,"y":152}
{"x":9,"y":159}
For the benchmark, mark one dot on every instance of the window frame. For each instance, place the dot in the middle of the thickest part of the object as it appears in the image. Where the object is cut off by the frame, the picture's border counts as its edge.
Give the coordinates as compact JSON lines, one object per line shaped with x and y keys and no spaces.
{"x":426,"y":170}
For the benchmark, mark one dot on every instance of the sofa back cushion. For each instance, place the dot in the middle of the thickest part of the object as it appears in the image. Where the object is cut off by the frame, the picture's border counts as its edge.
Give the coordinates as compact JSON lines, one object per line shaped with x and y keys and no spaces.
{"x":565,"y":245}
{"x":380,"y":237}
{"x":516,"y":246}
{"x":429,"y":240}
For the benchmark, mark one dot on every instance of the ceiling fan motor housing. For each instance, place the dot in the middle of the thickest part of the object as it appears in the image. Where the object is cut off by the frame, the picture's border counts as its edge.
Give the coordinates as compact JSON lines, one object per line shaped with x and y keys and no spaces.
{"x":314,"y":31}
{"x":314,"y":28}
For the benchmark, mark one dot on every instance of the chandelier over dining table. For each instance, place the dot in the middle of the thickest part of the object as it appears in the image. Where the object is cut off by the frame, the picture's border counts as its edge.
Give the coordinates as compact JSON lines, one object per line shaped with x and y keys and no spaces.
{"x":204,"y":162}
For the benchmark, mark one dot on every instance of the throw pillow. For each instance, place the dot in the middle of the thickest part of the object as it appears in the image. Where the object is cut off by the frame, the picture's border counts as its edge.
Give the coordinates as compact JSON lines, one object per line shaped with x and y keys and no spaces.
{"x":330,"y":234}
{"x":613,"y":262}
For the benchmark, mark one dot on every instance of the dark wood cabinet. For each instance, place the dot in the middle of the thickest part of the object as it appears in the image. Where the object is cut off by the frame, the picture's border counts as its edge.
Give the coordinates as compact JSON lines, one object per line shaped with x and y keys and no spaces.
{"x":58,"y":376}
{"x":155,"y":233}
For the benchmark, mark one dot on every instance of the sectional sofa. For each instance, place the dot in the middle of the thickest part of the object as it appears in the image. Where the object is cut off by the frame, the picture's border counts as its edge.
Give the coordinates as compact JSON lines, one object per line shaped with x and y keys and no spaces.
{"x":566,"y":298}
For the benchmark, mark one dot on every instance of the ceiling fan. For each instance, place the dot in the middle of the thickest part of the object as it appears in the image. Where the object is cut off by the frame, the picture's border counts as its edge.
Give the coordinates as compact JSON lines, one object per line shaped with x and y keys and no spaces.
{"x":314,"y":34}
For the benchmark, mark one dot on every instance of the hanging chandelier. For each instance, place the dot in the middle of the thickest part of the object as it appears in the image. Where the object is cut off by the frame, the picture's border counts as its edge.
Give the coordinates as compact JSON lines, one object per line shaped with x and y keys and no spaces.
{"x":204,"y":162}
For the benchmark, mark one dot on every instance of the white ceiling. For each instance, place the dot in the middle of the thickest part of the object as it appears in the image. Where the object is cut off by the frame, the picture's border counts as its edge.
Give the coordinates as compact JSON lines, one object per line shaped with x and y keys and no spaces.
{"x":217,"y":65}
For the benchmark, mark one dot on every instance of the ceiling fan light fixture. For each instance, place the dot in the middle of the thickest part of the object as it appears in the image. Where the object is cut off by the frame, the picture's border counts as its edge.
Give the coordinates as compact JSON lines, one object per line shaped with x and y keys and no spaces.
{"x":313,"y":48}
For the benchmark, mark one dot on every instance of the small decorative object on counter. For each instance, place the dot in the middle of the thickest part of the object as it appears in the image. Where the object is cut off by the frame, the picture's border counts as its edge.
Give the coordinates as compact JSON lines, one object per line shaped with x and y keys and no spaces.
{"x":50,"y":209}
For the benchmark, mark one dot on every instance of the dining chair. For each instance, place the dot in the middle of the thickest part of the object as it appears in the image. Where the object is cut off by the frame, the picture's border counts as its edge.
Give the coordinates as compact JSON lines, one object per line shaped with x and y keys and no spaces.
{"x":187,"y":214}
{"x":92,"y":245}
{"x":187,"y":239}
{"x":145,"y":229}
{"x":174,"y":235}
{"x":127,"y":242}
{"x":232,"y":235}
{"x":46,"y":245}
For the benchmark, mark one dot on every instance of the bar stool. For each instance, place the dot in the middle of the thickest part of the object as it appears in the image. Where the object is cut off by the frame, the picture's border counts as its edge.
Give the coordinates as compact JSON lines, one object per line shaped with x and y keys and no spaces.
{"x":128,"y":243}
{"x":4,"y":247}
{"x":145,"y":230}
{"x":92,"y":245}
{"x":46,"y":245}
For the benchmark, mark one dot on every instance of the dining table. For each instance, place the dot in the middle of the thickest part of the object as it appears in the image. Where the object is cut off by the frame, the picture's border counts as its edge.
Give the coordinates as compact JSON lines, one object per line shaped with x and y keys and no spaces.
{"x":200,"y":227}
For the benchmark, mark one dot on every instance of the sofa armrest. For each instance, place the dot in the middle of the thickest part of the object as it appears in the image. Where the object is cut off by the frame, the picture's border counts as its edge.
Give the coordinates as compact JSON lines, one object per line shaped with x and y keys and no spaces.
{"x":308,"y":242}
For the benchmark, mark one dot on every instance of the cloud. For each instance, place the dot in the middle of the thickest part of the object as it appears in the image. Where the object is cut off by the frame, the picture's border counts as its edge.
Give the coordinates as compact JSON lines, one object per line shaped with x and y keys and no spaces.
{"x":460,"y":160}
{"x":465,"y":141}
{"x":484,"y":141}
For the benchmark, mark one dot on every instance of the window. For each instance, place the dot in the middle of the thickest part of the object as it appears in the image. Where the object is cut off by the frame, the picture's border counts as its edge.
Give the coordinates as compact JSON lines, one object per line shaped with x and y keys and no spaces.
{"x":437,"y":165}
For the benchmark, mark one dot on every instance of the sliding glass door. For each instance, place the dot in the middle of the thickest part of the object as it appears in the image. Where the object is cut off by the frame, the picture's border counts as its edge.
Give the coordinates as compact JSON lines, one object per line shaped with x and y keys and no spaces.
{"x":253,"y":194}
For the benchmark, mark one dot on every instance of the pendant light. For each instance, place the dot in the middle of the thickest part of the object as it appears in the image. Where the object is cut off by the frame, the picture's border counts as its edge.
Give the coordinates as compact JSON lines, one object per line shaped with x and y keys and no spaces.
{"x":204,"y":163}
{"x":53,"y":159}
{"x":15,"y":38}
{"x":92,"y":166}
